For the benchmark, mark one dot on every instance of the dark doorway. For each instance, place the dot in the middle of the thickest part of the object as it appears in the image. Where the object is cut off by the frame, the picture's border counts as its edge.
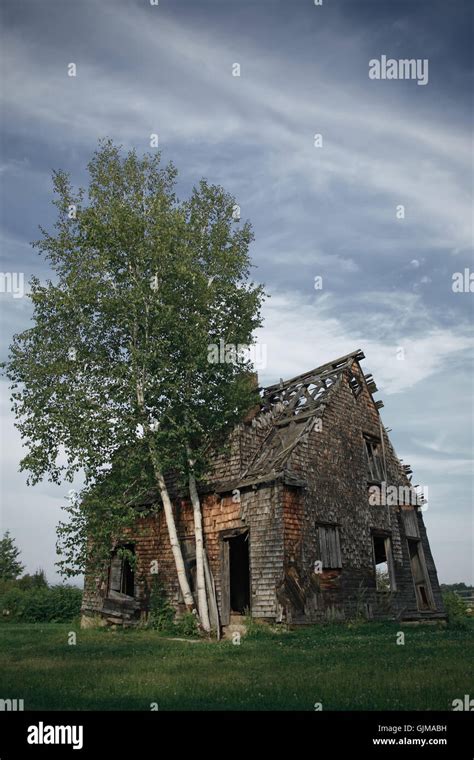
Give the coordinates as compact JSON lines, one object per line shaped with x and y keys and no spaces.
{"x":239,"y":573}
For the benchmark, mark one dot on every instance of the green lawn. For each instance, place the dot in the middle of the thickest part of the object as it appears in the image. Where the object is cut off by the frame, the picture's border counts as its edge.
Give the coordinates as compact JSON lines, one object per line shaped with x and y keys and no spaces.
{"x":344,"y":668}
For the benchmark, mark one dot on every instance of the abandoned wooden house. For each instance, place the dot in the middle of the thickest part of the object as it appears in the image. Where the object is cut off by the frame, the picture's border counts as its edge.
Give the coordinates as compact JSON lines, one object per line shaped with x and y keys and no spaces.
{"x":291,"y":531}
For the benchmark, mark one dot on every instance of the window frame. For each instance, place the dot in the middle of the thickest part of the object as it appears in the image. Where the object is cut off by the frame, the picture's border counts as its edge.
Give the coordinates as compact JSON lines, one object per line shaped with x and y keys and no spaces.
{"x":374,"y":459}
{"x":388,"y":548}
{"x":355,"y":385}
{"x":123,"y":562}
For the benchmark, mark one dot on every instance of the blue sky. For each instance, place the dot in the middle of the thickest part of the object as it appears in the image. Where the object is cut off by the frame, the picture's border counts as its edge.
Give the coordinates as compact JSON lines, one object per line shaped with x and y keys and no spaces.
{"x":327,"y":211}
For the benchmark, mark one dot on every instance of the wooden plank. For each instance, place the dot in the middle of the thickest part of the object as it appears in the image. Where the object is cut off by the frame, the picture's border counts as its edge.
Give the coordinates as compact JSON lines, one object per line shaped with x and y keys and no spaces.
{"x":325,"y":548}
{"x":116,"y":568}
{"x":330,"y":547}
{"x":211,"y":597}
{"x":356,"y":355}
{"x":410,"y":522}
{"x":225,"y":583}
{"x":338,"y":548}
{"x":390,"y":565}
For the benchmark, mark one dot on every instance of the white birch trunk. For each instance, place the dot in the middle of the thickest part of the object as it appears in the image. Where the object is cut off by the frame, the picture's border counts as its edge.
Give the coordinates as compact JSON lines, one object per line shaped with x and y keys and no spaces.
{"x":173,"y":536}
{"x":167,"y":506}
{"x":200,"y":576}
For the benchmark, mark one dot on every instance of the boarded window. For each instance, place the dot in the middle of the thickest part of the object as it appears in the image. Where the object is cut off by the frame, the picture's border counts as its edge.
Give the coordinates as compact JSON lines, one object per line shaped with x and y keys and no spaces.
{"x":375,"y":468}
{"x":410,"y":522}
{"x":383,"y":561}
{"x":329,"y":546}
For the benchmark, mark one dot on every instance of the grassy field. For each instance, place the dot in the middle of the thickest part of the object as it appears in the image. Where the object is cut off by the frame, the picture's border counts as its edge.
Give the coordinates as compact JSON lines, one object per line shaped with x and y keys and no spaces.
{"x":344,"y":668}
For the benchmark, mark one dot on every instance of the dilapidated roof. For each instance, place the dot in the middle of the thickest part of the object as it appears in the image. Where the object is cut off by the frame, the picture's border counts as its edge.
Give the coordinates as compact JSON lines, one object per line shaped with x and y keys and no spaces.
{"x":288,"y":412}
{"x":290,"y":409}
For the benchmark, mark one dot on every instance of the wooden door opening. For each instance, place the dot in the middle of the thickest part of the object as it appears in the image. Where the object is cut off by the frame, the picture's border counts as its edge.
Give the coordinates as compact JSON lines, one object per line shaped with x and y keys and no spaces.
{"x":239,"y":573}
{"x":235,"y":574}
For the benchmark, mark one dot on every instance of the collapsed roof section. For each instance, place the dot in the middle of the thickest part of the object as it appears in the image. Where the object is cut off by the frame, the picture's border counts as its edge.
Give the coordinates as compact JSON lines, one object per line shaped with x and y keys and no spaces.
{"x":290,"y":409}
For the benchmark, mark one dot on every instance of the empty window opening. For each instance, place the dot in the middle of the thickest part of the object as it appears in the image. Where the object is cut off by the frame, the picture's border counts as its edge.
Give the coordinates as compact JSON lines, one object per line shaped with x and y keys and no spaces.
{"x":420,"y":576}
{"x":121,"y":573}
{"x":355,"y":385}
{"x":375,"y":468}
{"x":384,"y":575}
{"x":239,"y":576}
{"x":329,"y":546}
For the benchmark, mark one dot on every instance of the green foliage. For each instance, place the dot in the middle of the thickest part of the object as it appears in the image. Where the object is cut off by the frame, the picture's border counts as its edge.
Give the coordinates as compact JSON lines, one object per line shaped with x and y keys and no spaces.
{"x":455,"y":587}
{"x":456,"y":610}
{"x":161,"y":616}
{"x":95,"y":524}
{"x":114,"y":373}
{"x":259,"y":630}
{"x":383,"y":580}
{"x":37,"y":580}
{"x":25,"y":583}
{"x":42,"y":604}
{"x":10,"y":567}
{"x":187,"y":625}
{"x":11,"y":603}
{"x":161,"y":613}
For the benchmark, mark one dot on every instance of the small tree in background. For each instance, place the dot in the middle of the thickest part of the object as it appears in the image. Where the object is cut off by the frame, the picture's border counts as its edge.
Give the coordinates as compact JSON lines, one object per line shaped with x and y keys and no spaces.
{"x":10,"y":567}
{"x":37,"y":580}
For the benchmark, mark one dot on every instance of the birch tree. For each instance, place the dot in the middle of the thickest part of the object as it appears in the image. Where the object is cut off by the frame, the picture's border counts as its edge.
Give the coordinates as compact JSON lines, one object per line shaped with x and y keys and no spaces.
{"x":117,"y":357}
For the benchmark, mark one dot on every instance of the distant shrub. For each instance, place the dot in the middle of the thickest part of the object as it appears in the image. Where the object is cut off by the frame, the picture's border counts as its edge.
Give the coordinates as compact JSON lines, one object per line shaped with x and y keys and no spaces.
{"x":455,"y":609}
{"x":11,"y":601}
{"x":25,"y":583}
{"x":54,"y":604}
{"x":37,"y":580}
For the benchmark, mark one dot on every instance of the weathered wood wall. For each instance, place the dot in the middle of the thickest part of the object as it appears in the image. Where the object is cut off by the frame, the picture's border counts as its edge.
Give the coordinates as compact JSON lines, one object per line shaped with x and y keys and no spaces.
{"x":333,"y":462}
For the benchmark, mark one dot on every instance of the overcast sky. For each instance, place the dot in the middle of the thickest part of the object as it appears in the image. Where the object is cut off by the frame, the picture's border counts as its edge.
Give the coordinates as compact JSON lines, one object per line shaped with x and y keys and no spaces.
{"x":328,"y":211}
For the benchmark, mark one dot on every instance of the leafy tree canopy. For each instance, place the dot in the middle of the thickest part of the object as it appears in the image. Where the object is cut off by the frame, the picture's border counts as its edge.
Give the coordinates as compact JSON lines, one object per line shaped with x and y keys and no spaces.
{"x":114,"y":373}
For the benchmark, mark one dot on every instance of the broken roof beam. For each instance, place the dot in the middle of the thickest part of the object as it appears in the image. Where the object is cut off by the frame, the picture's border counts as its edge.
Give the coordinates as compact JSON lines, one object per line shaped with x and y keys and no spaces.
{"x":287,"y":476}
{"x":357,"y":355}
{"x":371,"y":386}
{"x":301,"y":416}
